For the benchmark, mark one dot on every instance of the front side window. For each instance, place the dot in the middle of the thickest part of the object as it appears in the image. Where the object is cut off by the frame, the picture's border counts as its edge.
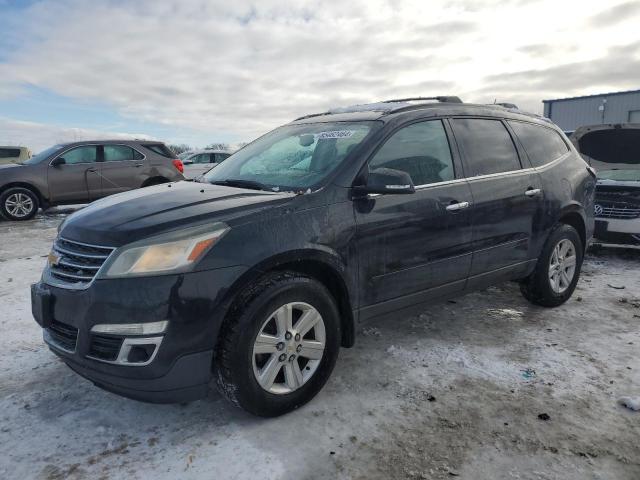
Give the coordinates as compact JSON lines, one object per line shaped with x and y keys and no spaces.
{"x":220,"y":157}
{"x":88,"y":154}
{"x":487,"y":145}
{"x":542,"y":144}
{"x":293,"y":157}
{"x":421,"y":150}
{"x":120,"y":153}
{"x":200,"y":158}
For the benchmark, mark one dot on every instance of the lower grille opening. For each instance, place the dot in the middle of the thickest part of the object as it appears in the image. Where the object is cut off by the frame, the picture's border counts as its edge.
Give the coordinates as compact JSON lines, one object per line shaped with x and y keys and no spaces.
{"x":105,"y":347}
{"x":63,"y":335}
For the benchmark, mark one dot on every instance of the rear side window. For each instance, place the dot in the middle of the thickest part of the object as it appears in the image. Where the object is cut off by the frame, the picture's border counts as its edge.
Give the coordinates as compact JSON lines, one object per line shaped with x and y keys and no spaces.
{"x":487,"y":146}
{"x":220,"y":157}
{"x":9,"y":152}
{"x":120,"y":153}
{"x":422,"y":150}
{"x":161,"y":149}
{"x":542,"y":144}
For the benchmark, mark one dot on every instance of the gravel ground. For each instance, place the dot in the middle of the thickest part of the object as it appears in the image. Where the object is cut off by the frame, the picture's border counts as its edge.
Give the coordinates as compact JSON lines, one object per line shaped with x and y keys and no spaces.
{"x":459,"y":391}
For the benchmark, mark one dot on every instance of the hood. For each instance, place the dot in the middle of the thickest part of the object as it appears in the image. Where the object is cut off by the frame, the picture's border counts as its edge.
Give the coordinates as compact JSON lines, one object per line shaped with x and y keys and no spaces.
{"x":612,"y":149}
{"x":131,"y":216}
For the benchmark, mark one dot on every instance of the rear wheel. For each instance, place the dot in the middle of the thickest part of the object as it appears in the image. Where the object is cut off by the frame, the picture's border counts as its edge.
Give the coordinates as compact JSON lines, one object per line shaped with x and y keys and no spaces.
{"x":19,"y":203}
{"x":279,"y":345}
{"x":558,"y":269}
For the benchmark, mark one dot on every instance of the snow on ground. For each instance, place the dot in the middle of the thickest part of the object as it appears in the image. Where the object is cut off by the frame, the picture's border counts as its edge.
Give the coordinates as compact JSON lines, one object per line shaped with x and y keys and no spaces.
{"x":457,"y":390}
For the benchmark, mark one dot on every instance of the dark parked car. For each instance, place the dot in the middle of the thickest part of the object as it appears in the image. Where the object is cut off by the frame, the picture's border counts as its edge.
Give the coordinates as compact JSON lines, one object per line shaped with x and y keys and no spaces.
{"x":258,"y":276}
{"x":81,"y":172}
{"x":614,"y":151}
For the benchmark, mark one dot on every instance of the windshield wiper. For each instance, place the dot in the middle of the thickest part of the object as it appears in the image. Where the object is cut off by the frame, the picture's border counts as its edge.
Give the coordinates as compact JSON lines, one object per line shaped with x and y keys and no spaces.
{"x":250,"y":184}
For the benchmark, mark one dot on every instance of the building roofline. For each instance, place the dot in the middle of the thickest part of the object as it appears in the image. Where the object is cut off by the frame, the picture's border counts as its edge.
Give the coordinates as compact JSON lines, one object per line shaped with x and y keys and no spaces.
{"x":610,"y":94}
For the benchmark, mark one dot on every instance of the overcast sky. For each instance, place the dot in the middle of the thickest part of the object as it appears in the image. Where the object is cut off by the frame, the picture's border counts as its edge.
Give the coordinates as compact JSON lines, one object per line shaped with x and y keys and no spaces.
{"x":199,"y":71}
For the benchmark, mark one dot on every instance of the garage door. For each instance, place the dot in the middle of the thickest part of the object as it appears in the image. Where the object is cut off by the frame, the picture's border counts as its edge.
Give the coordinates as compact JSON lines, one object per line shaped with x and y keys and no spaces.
{"x":634,"y":116}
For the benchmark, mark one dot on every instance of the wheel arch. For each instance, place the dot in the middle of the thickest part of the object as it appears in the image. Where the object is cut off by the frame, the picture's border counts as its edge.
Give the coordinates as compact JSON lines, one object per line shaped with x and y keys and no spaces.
{"x":574,"y":216}
{"x":155,"y":180}
{"x":317,"y":264}
{"x":41,"y":198}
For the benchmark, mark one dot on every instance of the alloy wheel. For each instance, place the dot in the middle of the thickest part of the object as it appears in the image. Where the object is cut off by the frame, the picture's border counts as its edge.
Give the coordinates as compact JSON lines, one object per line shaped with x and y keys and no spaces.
{"x":19,"y":205}
{"x":288,"y":348}
{"x":562,"y":266}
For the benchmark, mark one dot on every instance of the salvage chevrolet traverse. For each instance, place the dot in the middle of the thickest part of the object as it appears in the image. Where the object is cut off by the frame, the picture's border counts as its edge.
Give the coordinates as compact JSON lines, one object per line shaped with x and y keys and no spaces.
{"x":258,"y":274}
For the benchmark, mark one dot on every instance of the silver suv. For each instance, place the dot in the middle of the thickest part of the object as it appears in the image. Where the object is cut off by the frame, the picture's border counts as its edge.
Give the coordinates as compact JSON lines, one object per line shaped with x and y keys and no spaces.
{"x":81,"y":172}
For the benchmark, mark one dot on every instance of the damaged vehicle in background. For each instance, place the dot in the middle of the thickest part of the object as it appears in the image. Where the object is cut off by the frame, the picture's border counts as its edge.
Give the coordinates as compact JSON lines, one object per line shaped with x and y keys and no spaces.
{"x":614,"y":151}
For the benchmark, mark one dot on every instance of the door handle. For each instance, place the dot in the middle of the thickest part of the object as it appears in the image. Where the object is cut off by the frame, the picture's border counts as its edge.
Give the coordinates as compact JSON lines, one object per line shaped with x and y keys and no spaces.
{"x":532,"y":192}
{"x":455,"y":207}
{"x":138,"y":165}
{"x":92,"y":170}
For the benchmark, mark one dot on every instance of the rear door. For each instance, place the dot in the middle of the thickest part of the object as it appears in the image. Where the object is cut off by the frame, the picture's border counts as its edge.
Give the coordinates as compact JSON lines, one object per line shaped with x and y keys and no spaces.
{"x":123,"y":169}
{"x":414,"y":247}
{"x":507,"y":199}
{"x":78,"y":179}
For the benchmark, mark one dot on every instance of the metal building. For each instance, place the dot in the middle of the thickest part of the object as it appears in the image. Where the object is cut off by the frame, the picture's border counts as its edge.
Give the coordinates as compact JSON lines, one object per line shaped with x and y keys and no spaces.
{"x":571,"y":113}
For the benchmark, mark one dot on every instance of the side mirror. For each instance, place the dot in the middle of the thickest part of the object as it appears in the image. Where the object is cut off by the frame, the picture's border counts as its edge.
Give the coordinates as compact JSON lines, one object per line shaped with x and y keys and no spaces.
{"x":58,"y":161}
{"x":386,"y":181}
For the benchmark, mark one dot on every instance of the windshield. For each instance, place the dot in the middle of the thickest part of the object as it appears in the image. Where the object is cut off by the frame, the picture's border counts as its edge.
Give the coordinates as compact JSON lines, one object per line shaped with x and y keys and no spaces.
{"x":293,"y":157}
{"x":620,"y":175}
{"x":42,"y":155}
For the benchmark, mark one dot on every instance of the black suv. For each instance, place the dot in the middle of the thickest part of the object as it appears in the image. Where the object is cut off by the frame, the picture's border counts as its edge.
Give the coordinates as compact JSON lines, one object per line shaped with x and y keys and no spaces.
{"x":257,"y":275}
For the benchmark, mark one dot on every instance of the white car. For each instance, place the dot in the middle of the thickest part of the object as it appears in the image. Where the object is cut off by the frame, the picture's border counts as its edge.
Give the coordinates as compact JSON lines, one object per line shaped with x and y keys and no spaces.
{"x":200,"y":162}
{"x":10,"y":154}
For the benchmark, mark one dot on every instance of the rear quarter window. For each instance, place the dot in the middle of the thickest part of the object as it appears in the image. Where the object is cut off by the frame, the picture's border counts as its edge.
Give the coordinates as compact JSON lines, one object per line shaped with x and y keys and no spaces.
{"x":160,"y":149}
{"x":543,"y":145}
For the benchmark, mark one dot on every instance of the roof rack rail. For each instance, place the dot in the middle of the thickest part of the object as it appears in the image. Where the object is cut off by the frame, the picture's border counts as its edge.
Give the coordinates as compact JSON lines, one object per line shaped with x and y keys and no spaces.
{"x":441,"y":99}
{"x":311,"y":115}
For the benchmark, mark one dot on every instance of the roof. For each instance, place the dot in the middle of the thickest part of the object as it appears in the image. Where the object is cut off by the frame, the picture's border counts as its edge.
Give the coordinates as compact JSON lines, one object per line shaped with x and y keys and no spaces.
{"x":611,"y":94}
{"x":112,"y":140}
{"x":379,"y":110}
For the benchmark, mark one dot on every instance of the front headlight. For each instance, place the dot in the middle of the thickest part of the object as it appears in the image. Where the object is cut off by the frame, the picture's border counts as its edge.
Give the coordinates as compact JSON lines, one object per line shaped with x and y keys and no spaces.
{"x":172,"y":252}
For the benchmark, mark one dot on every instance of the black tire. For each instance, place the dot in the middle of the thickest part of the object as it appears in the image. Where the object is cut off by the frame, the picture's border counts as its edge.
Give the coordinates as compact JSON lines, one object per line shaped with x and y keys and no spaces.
{"x":537,"y":287}
{"x":233,"y":363}
{"x":8,"y":206}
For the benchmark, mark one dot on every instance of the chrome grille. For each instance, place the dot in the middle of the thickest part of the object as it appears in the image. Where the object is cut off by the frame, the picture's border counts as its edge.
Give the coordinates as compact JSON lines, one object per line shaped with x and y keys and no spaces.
{"x":604,"y":210}
{"x":77,"y":263}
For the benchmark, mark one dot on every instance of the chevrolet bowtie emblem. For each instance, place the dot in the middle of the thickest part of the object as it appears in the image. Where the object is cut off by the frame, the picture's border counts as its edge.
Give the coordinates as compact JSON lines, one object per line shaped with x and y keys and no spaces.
{"x":53,"y":259}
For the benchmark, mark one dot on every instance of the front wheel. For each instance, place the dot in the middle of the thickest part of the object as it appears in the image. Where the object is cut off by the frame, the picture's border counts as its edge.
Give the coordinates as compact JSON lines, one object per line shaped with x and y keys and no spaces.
{"x":18,"y":203}
{"x":558,"y":269}
{"x":279,"y":344}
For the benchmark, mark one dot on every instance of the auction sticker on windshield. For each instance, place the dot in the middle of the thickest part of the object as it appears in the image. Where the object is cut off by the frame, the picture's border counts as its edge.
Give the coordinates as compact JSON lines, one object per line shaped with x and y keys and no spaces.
{"x":334,"y":134}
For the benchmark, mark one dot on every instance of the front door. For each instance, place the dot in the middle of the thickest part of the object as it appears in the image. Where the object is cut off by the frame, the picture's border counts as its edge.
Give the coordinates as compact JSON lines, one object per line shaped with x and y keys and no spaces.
{"x":507,"y":199}
{"x":123,"y":169}
{"x":414,"y":247}
{"x":78,"y":178}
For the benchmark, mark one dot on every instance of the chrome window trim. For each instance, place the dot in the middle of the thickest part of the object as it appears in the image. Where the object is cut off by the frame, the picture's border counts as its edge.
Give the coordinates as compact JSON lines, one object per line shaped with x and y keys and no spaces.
{"x":553,"y":162}
{"x":98,"y":145}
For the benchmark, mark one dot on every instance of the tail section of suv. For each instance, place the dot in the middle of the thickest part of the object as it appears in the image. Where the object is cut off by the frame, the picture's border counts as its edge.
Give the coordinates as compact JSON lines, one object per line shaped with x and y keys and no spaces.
{"x":258,"y":275}
{"x":81,"y":172}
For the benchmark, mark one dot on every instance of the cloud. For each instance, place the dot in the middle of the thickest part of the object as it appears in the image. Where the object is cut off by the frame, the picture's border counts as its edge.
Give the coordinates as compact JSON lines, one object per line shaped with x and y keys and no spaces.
{"x":241,"y":68}
{"x":38,"y":136}
{"x":613,"y":16}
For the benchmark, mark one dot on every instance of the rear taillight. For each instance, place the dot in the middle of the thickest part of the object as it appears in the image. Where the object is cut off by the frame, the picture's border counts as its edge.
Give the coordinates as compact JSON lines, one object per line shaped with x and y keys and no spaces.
{"x":178,"y":164}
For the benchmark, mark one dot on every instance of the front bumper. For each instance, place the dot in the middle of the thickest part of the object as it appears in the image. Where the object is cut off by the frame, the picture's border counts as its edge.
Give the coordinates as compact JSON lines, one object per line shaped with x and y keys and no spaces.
{"x":618,"y":231}
{"x":180,"y":368}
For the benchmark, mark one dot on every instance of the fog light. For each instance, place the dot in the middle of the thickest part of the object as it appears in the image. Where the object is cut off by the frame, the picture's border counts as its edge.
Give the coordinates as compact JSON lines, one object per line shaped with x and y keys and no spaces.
{"x":151,"y":328}
{"x":141,"y":353}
